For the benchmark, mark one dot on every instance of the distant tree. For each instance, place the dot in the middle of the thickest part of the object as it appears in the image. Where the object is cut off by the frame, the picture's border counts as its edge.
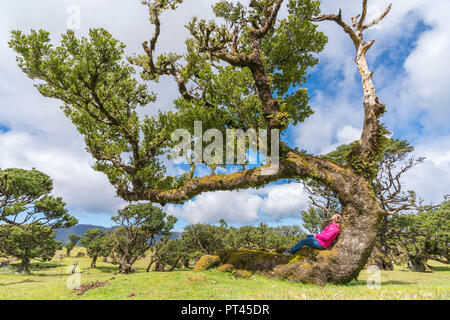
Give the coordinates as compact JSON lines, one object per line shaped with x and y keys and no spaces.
{"x":36,"y":241}
{"x":73,"y":240}
{"x":30,"y":216}
{"x":168,"y":254}
{"x":139,"y":228}
{"x":94,"y":240}
{"x":202,"y":239}
{"x":292,"y":232}
{"x":263,"y":237}
{"x":421,"y":236}
{"x":314,"y":219}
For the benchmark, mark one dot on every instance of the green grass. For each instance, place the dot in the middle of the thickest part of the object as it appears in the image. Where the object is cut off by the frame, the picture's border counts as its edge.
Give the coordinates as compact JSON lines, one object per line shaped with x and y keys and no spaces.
{"x":49,"y":281}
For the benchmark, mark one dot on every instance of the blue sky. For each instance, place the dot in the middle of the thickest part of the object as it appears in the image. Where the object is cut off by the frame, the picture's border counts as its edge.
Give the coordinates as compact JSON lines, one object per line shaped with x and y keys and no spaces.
{"x":412,"y":76}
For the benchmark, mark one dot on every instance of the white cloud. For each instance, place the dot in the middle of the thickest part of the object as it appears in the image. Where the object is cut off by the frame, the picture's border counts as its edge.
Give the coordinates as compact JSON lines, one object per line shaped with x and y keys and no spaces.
{"x":74,"y":180}
{"x":272,"y":203}
{"x":431,"y":179}
{"x":234,"y":207}
{"x":284,"y":201}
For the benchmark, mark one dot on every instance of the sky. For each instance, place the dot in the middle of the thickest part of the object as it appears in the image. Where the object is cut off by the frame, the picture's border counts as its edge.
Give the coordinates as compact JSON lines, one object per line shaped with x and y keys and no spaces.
{"x":411,"y":73}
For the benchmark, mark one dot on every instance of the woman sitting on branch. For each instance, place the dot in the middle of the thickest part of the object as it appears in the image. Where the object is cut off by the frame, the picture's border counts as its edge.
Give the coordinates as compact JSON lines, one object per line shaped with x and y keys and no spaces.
{"x":320,"y":241}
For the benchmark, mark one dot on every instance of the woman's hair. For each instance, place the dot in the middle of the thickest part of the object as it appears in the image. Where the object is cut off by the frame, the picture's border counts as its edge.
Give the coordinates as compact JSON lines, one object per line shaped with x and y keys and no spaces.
{"x":339,"y":218}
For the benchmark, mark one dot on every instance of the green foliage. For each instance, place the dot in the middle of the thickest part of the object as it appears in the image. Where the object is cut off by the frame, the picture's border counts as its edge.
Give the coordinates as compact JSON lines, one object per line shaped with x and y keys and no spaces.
{"x":73,"y":240}
{"x":348,"y":155}
{"x":315,"y":219}
{"x":30,"y":216}
{"x":100,"y":96}
{"x":206,"y":262}
{"x":170,"y":253}
{"x":392,"y":151}
{"x":94,"y":240}
{"x":421,"y":236}
{"x":263,"y":237}
{"x":35,"y":241}
{"x":204,"y":239}
{"x":139,"y":227}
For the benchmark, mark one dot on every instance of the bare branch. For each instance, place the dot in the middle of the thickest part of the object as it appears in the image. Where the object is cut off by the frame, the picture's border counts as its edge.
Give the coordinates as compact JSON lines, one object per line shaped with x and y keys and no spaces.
{"x":376,"y":21}
{"x":363,"y":14}
{"x":338,"y":19}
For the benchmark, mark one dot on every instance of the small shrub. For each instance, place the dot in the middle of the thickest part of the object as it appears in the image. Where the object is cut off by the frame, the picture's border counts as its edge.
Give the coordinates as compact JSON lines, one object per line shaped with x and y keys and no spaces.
{"x":206,"y":262}
{"x":242,"y":273}
{"x":226,"y":268}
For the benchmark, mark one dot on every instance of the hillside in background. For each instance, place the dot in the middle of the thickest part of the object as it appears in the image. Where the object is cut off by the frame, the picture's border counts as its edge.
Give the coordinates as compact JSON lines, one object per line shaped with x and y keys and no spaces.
{"x":80,"y":229}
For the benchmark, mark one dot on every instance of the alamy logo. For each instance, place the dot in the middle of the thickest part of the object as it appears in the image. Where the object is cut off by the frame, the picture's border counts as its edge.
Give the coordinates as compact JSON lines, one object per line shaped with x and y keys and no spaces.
{"x":241,"y":147}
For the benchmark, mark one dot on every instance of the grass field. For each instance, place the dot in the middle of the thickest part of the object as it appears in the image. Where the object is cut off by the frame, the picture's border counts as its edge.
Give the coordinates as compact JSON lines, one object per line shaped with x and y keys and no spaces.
{"x":49,"y":281}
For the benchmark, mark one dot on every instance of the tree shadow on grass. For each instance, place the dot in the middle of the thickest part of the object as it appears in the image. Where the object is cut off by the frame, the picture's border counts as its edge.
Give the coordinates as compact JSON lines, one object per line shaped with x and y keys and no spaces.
{"x":108,"y":269}
{"x":360,"y":283}
{"x":440,"y":268}
{"x":18,"y":282}
{"x":45,"y":266}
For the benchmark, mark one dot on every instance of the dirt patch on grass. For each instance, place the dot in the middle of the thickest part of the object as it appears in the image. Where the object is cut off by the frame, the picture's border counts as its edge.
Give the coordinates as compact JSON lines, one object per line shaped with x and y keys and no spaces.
{"x":89,"y":286}
{"x":195,"y":279}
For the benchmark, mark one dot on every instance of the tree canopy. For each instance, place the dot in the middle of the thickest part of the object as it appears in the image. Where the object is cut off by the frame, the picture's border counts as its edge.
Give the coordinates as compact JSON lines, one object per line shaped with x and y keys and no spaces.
{"x":261,"y":87}
{"x":419,"y":237}
{"x":30,"y":216}
{"x":139,"y":228}
{"x":95,"y":242}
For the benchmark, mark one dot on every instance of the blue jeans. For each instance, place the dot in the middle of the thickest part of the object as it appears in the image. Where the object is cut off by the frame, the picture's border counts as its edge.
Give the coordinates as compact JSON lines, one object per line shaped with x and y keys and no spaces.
{"x":309,"y":241}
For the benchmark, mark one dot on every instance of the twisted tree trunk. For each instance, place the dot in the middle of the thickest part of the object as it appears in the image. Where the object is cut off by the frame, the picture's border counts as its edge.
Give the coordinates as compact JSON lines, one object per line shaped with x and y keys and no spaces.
{"x":24,"y":266}
{"x":418,"y":264}
{"x":94,"y":262}
{"x":126,"y":268}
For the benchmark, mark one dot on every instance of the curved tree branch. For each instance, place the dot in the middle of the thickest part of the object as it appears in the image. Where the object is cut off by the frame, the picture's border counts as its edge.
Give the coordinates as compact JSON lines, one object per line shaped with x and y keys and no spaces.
{"x":377,"y":20}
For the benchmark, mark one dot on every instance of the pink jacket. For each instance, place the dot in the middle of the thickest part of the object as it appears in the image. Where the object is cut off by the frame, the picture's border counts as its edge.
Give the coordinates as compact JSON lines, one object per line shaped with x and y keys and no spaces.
{"x":328,"y":235}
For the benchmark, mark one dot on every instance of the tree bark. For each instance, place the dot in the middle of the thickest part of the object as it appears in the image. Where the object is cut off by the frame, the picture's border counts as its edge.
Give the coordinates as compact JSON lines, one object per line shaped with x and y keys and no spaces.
{"x":94,"y":262}
{"x":372,"y":134}
{"x":418,"y":264}
{"x":24,"y":266}
{"x":126,"y":268}
{"x":152,"y":261}
{"x":380,"y":259}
